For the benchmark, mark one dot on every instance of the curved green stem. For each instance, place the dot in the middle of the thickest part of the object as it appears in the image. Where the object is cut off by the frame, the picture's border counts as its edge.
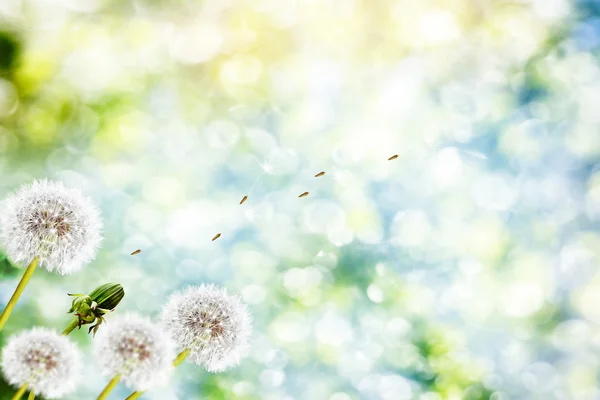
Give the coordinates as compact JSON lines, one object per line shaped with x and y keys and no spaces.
{"x":74,"y":324}
{"x":20,"y":392}
{"x":178,"y":360}
{"x":18,"y":291}
{"x":31,"y":395}
{"x":109,"y":387}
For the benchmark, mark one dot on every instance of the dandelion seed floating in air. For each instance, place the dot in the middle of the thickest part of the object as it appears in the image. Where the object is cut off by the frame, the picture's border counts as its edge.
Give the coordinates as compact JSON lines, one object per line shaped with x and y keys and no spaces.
{"x":304,"y":194}
{"x":211,"y":324}
{"x":320,"y":174}
{"x":393,"y":157}
{"x":218,"y":235}
{"x":48,"y":224}
{"x":138,"y":251}
{"x":268,"y":167}
{"x":244,"y":200}
{"x":135,"y":349}
{"x":47,"y":363}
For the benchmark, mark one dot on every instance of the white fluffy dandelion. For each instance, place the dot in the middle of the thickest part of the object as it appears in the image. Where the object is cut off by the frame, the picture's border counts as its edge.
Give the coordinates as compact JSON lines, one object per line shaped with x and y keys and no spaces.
{"x":136,"y":350}
{"x":58,"y":225}
{"x":212,"y":324}
{"x":48,"y":224}
{"x":45,"y":361}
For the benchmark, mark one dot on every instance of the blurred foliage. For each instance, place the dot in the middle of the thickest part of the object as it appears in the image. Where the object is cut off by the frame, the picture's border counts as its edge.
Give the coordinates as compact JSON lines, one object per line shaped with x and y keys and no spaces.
{"x":9,"y":52}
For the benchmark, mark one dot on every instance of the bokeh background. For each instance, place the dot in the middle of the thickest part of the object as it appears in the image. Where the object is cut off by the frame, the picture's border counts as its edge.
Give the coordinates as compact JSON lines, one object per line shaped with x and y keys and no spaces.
{"x":467,"y":268}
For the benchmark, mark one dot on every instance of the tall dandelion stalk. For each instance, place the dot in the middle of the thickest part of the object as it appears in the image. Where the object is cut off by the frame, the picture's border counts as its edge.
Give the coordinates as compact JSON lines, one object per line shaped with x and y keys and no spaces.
{"x":135,"y":351}
{"x":41,"y":361}
{"x":46,"y":224}
{"x":210,"y":326}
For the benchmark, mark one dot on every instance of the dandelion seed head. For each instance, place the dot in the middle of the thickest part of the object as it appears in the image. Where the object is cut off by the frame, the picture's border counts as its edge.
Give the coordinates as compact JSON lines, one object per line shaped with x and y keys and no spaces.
{"x":47,"y":362}
{"x":59,"y":225}
{"x":213,"y":324}
{"x":137,"y":349}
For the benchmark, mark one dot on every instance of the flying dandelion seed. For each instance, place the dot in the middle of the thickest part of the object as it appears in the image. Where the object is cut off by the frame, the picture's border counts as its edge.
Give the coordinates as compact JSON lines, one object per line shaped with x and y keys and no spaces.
{"x":268,"y":167}
{"x":218,"y":235}
{"x":244,"y":200}
{"x":393,"y":157}
{"x":320,"y":174}
{"x":304,"y":194}
{"x":138,"y":251}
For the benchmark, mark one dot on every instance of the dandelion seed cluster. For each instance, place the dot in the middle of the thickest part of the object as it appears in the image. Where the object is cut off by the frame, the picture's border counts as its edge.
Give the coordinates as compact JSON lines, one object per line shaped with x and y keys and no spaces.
{"x":212,"y":324}
{"x":137,"y":349}
{"x":57,"y":224}
{"x":47,"y":362}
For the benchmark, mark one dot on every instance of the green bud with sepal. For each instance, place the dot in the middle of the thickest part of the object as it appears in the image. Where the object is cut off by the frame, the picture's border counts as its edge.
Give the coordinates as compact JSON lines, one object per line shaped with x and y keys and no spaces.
{"x":90,"y":308}
{"x":108,"y":296}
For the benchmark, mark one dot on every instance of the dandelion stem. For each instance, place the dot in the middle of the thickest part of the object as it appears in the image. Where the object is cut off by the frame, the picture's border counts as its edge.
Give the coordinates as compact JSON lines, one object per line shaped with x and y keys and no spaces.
{"x":178,"y":360}
{"x":109,"y":387}
{"x":18,"y":291}
{"x":180,"y":357}
{"x":31,"y":395}
{"x":74,"y":324}
{"x":134,"y":395}
{"x":20,"y":392}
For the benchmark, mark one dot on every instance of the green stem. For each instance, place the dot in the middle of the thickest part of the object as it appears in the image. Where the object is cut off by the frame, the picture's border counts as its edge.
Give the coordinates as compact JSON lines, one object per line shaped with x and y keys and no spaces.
{"x":20,"y":392}
{"x":109,"y":387}
{"x":31,"y":395}
{"x":178,"y":360}
{"x":180,"y":357}
{"x":134,"y":395}
{"x":18,"y":291}
{"x":74,"y":324}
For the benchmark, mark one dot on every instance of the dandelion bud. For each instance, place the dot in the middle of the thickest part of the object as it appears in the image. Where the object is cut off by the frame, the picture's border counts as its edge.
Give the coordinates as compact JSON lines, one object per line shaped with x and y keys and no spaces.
{"x":92,"y":308}
{"x":42,"y":359}
{"x":108,"y":296}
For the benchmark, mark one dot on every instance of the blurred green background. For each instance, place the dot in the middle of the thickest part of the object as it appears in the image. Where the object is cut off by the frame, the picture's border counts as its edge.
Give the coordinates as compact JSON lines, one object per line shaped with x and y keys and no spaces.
{"x":467,"y":268}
